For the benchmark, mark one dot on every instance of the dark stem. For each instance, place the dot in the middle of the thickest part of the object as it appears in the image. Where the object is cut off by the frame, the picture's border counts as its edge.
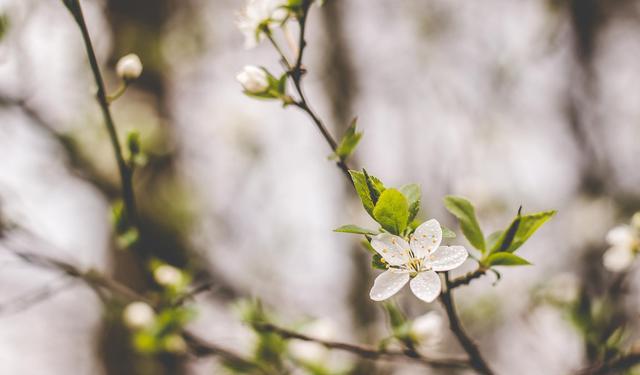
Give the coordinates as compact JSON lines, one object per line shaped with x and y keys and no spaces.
{"x":475,"y":358}
{"x":468,"y":278}
{"x":103,"y":101}
{"x":365,"y":351}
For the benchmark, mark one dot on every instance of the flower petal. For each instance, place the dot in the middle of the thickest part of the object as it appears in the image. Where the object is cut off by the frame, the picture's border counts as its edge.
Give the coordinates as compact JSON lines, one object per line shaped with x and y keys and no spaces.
{"x":617,"y":259}
{"x":426,"y":286}
{"x":387,"y":284}
{"x":392,"y":248}
{"x":446,"y":258}
{"x":426,"y":238}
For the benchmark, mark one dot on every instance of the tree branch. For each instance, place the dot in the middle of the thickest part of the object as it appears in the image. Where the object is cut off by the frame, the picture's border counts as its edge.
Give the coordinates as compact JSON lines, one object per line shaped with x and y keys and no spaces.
{"x":475,"y":358}
{"x":468,"y":278}
{"x":366,"y":351}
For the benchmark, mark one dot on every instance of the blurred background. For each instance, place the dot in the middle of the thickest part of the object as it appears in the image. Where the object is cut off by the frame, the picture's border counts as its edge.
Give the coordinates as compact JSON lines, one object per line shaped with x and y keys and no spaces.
{"x":508,"y":103}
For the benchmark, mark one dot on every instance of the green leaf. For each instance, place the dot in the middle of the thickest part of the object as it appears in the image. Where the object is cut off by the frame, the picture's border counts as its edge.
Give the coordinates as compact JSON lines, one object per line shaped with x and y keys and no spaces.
{"x":520,"y":230}
{"x":466,"y":214}
{"x":447,"y":233}
{"x":374,"y":193}
{"x":493,"y":238}
{"x":396,"y":317}
{"x":350,"y":228}
{"x":362,"y":188}
{"x":413,"y":195}
{"x":348,"y":143}
{"x":392,"y":211}
{"x":505,"y":259}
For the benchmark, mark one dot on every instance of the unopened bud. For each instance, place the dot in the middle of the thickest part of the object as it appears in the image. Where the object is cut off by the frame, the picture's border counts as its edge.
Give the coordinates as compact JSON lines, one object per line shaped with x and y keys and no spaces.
{"x":129,"y":67}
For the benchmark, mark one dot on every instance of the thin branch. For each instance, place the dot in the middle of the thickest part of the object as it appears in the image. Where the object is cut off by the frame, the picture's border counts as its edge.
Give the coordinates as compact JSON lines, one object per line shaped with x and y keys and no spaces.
{"x":475,"y":358}
{"x":468,"y":278}
{"x":34,"y":297}
{"x":366,"y":351}
{"x":613,"y":366}
{"x":126,"y":174}
{"x":100,"y":282}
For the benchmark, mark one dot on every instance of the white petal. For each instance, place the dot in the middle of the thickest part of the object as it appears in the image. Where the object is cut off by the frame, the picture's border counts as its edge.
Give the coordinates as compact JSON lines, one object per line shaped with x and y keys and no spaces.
{"x":426,"y":238}
{"x":617,"y":259}
{"x":387,"y":284}
{"x":446,"y":258}
{"x":392,"y":248}
{"x":426,"y":286}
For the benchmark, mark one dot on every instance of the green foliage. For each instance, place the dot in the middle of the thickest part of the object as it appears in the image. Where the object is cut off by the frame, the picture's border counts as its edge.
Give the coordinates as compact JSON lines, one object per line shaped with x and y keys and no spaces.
{"x":505,"y":259}
{"x":520,"y":230}
{"x":126,"y":235}
{"x":378,"y":262}
{"x":350,"y":228}
{"x":466,"y":214}
{"x":367,"y":187}
{"x":392,"y":211}
{"x":349,"y":141}
{"x":447,"y":233}
{"x":276,"y":90}
{"x":164,"y":335}
{"x":413,"y":194}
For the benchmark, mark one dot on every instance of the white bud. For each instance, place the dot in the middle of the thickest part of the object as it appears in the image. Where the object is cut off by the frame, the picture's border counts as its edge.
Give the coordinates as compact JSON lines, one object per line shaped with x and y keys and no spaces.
{"x":622,"y":236}
{"x":138,"y":315}
{"x":253,"y":79}
{"x":175,"y":344}
{"x":428,"y":329}
{"x":168,"y":275}
{"x":617,"y":258}
{"x":129,"y":67}
{"x":313,"y":352}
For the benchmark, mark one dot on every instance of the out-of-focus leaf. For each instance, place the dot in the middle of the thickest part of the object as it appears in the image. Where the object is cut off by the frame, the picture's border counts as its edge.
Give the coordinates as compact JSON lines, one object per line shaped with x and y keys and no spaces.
{"x":466,"y":214}
{"x":392,"y":211}
{"x":348,"y":143}
{"x":350,"y":228}
{"x":377,"y":262}
{"x":447,"y":233}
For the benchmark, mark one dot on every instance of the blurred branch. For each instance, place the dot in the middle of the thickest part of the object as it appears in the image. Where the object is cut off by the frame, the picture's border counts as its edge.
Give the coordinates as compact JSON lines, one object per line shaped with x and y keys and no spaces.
{"x":34,"y":297}
{"x":100,"y":282}
{"x":475,"y":358}
{"x":365,"y":351}
{"x":617,"y":365}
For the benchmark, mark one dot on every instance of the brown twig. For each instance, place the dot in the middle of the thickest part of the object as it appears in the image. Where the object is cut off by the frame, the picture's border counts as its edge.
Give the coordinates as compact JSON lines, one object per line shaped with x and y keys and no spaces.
{"x":475,"y":358}
{"x":366,"y":351}
{"x":468,"y":278}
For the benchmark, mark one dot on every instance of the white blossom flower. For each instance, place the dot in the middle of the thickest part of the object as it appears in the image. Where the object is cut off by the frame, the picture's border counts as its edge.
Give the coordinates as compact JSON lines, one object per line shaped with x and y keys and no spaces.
{"x":418,"y":261}
{"x":138,"y":315}
{"x":129,"y":67}
{"x":313,"y":352}
{"x":624,"y":242}
{"x":260,"y":14}
{"x":253,"y":79}
{"x":168,"y":275}
{"x":428,"y":329}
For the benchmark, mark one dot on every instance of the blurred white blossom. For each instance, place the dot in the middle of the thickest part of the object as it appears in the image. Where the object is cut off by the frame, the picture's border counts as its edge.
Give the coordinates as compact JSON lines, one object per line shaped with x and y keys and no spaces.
{"x":129,"y":67}
{"x":428,"y":329}
{"x":253,"y":79}
{"x":418,"y":260}
{"x":624,"y":242}
{"x":313,"y":352}
{"x":167,"y":275}
{"x":258,"y":16}
{"x":138,"y":315}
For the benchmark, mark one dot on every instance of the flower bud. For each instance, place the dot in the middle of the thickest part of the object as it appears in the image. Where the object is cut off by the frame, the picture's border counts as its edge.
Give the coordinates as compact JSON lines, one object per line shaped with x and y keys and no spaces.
{"x":129,"y":67}
{"x":428,"y":329}
{"x":253,"y":79}
{"x":167,"y":275}
{"x":617,"y":258}
{"x":138,"y":315}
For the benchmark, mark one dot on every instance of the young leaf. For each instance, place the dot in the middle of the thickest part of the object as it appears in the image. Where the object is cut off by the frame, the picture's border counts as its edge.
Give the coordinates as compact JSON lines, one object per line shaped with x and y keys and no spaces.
{"x":360,"y":184}
{"x":355,"y":229}
{"x":466,"y":214}
{"x":520,"y":230}
{"x":348,"y":143}
{"x":392,"y":211}
{"x":505,"y":259}
{"x":447,"y":233}
{"x":492,"y":239}
{"x":374,"y":193}
{"x":413,"y":195}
